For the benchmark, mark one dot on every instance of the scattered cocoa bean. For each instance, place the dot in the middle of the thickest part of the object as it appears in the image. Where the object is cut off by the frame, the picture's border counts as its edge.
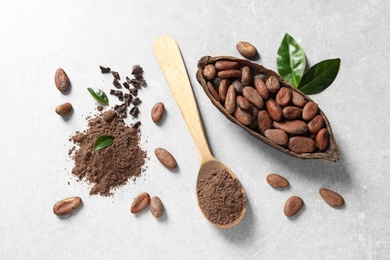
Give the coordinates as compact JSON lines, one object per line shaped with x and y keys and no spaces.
{"x":61,"y":80}
{"x":156,"y":207}
{"x":140,"y":203}
{"x":165,"y":158}
{"x":157,"y":112}
{"x":277,"y":181}
{"x":293,"y":206}
{"x":246,"y":49}
{"x":64,"y":109}
{"x":66,"y":206}
{"x":332,"y":198}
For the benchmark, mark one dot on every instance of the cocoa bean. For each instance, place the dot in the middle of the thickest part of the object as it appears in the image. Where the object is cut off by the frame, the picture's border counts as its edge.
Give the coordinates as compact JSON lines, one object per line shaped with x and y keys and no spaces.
{"x":276,"y":135}
{"x":238,"y":86}
{"x":264,"y":121}
{"x":209,"y":71}
{"x":222,"y":89}
{"x":230,"y":102}
{"x":140,"y":203}
{"x":225,"y":74}
{"x":254,"y":111}
{"x":226,"y":65}
{"x":64,"y":109}
{"x":61,"y":80}
{"x":274,"y":110}
{"x":291,"y":112}
{"x":296,"y":127}
{"x":300,"y":144}
{"x":309,"y":111}
{"x":260,"y":86}
{"x":246,"y":76}
{"x":332,"y":198}
{"x":165,"y":158}
{"x":156,"y":207}
{"x":243,"y":103}
{"x":283,"y":97}
{"x":297,"y":99}
{"x":213,"y":91}
{"x":293,"y":206}
{"x":157,"y":112}
{"x":66,"y":206}
{"x":253,"y":96}
{"x":322,"y":139}
{"x":246,"y":49}
{"x":316,"y":124}
{"x":244,"y":117}
{"x":272,"y":84}
{"x":277,"y":181}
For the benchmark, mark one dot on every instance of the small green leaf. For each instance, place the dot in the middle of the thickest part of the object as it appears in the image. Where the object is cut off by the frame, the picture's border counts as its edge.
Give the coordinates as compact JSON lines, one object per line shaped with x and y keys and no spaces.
{"x":99,"y":95}
{"x":103,"y":141}
{"x":291,"y":60}
{"x":320,"y":76}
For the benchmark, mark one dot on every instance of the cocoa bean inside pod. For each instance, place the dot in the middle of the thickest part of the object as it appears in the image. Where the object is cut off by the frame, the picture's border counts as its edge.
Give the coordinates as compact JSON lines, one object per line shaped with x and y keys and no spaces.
{"x":297,"y":125}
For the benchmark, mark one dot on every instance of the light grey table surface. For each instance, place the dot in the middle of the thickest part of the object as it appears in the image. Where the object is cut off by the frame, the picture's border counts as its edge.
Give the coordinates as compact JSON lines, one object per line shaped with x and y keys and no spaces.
{"x":37,"y":37}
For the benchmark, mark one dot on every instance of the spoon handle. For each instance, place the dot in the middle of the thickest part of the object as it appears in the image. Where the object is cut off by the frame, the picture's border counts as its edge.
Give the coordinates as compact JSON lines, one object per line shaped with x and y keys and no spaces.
{"x":171,"y":62}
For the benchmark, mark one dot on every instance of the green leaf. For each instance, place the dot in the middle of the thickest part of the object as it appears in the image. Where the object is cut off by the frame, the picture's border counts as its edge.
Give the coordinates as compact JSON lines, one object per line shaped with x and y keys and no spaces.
{"x":99,"y":95}
{"x":103,"y":141}
{"x":319,"y":77}
{"x":291,"y":60}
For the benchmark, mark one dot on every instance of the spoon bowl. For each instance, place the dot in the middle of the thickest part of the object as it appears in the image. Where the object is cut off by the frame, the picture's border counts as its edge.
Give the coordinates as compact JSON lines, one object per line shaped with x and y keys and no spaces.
{"x":171,"y":62}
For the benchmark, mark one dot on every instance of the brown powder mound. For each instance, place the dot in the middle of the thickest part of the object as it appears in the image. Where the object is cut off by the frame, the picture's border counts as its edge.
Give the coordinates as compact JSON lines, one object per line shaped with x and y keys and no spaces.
{"x":114,"y":165}
{"x":220,"y":197}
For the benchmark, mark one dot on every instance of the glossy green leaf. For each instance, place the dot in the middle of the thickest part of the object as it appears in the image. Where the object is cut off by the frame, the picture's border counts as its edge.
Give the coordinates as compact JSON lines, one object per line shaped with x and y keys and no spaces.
{"x":103,"y":141}
{"x":291,"y":60}
{"x":320,"y":76}
{"x":99,"y":95}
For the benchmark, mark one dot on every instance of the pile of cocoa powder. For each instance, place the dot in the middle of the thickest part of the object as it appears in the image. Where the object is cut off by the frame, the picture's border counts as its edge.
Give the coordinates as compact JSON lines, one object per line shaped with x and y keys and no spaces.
{"x":113,"y":166}
{"x":220,"y":197}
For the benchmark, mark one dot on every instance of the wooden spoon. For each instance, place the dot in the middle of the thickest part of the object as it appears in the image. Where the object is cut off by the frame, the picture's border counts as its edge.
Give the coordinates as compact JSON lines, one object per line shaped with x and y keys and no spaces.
{"x":171,"y":62}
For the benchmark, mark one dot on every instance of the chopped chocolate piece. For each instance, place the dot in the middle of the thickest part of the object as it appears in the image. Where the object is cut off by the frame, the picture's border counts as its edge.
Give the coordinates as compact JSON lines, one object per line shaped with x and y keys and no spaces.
{"x":126,"y":85}
{"x":116,"y":83}
{"x":118,"y":93}
{"x":105,"y":69}
{"x":99,"y":108}
{"x":120,"y":98}
{"x":128,"y":80}
{"x":136,"y":125}
{"x":112,"y":91}
{"x":128,"y":99}
{"x":134,"y":111}
{"x":134,"y":91}
{"x":142,"y":81}
{"x":137,"y":69}
{"x":137,"y":101}
{"x":116,"y":75}
{"x":135,"y":83}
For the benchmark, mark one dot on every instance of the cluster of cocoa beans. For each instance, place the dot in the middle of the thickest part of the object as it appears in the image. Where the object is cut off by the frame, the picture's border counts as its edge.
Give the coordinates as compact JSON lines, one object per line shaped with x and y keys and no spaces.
{"x":266,"y":106}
